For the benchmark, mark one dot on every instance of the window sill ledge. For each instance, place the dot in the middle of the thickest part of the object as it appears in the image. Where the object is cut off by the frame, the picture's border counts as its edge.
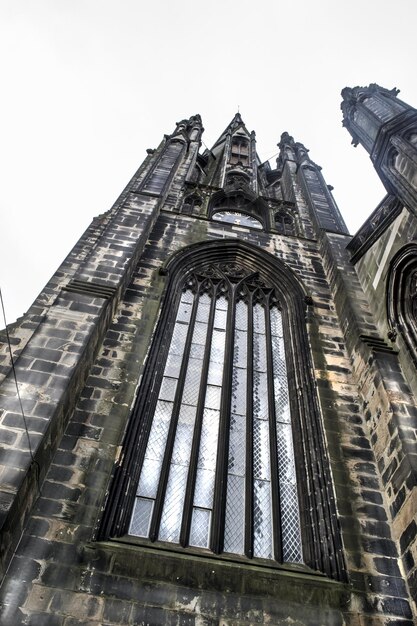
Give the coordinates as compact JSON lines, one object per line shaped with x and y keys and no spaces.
{"x":213,"y":573}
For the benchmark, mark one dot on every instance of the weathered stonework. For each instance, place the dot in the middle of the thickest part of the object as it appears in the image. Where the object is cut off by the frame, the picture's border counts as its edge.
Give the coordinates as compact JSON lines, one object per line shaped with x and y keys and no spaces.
{"x":82,"y":351}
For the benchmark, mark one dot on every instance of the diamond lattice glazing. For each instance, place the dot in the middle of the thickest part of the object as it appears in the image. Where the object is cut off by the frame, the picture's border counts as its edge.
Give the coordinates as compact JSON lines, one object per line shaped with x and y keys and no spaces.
{"x":159,"y":430}
{"x":149,"y":478}
{"x":262,"y":520}
{"x":139,"y":525}
{"x":234,"y":532}
{"x":290,"y":521}
{"x":169,"y":529}
{"x":261,"y":453}
{"x":204,"y":488}
{"x":200,"y":525}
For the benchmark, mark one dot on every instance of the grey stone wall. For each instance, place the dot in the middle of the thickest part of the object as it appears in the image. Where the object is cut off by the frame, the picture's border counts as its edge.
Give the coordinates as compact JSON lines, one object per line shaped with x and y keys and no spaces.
{"x":61,"y":576}
{"x":386,"y":397}
{"x":81,"y":352}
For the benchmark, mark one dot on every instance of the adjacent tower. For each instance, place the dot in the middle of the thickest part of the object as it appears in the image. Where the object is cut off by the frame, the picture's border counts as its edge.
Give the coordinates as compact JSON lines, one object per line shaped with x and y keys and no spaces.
{"x":387,"y":128}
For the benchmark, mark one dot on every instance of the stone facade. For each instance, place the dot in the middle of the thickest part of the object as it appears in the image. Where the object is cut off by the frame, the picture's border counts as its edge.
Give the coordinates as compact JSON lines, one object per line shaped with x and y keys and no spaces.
{"x":87,"y":352}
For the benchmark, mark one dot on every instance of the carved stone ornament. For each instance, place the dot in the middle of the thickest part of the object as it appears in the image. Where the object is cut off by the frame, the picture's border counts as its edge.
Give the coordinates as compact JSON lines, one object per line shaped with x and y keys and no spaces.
{"x":392,"y":334}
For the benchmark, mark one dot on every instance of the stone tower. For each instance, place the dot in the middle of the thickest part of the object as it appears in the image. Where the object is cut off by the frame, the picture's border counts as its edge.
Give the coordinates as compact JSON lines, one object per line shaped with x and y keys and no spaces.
{"x":216,"y":420}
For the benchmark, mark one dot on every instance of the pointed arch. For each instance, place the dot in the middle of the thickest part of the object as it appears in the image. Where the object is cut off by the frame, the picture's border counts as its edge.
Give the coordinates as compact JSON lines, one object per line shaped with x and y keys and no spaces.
{"x":402,"y":297}
{"x":218,"y":276}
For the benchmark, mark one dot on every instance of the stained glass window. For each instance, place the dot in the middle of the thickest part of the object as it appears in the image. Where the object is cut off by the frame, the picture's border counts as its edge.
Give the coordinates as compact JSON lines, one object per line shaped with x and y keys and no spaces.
{"x":218,"y":470}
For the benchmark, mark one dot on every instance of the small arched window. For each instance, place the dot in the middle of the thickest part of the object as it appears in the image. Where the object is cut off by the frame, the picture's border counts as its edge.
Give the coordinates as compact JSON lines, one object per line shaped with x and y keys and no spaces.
{"x":239,"y":151}
{"x":191,"y":204}
{"x":284,"y":223}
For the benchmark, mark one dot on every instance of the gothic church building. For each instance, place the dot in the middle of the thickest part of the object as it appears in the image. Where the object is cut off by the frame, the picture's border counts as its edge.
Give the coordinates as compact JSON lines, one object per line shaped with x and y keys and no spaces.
{"x":216,"y":414}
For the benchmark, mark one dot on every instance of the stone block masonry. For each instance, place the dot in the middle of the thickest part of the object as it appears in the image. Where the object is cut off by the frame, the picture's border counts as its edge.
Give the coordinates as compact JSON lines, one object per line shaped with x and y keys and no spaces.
{"x":83,"y":355}
{"x":70,"y":579}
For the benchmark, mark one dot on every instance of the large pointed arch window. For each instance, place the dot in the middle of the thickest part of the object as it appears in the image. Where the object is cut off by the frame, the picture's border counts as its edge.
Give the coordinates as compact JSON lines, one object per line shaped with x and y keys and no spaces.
{"x":224,"y":450}
{"x":218,"y":470}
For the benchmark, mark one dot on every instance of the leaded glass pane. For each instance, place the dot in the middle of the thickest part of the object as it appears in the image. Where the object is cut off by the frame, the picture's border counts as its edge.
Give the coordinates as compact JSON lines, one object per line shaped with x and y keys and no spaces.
{"x":184,"y":312}
{"x":197,"y":351}
{"x":203,"y":310}
{"x":192,"y":382}
{"x":234,"y":532}
{"x":259,"y":352}
{"x":260,"y":395}
{"x":276,"y":322}
{"x":289,"y":508}
{"x":213,"y":397}
{"x":262,"y":519}
{"x":169,"y":529}
{"x":291,"y":535}
{"x":159,"y":431}
{"x":258,"y":319}
{"x":290,"y":522}
{"x":204,"y":301}
{"x":286,"y":467}
{"x":240,"y":352}
{"x":220,"y":318}
{"x":217,"y":346}
{"x":261,"y":455}
{"x":149,"y":478}
{"x":215,"y":373}
{"x":239,"y":382}
{"x":187,"y":296}
{"x":200,"y":332}
{"x":178,"y":339}
{"x":241,"y":315}
{"x":204,"y":488}
{"x":182,"y":445}
{"x":187,"y":414}
{"x":200,"y":526}
{"x":237,"y":444}
{"x":173,"y":365}
{"x":168,"y":388}
{"x":208,"y":441}
{"x":222,"y":303}
{"x":141,"y":517}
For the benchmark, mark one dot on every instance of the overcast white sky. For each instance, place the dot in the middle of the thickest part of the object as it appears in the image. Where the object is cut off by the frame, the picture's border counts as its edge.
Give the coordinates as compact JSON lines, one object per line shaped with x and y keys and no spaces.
{"x":88,"y":85}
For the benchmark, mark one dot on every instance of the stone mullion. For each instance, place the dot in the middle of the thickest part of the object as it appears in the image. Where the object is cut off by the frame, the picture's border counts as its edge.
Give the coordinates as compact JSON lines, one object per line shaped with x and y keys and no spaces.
{"x":249,"y":487}
{"x":220,"y":486}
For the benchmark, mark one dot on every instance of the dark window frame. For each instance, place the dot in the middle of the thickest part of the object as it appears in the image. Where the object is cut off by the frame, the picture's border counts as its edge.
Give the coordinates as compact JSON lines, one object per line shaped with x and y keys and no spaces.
{"x":316,"y":498}
{"x":402,"y":298}
{"x":284,"y":223}
{"x":192,"y":204}
{"x":240,"y":151}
